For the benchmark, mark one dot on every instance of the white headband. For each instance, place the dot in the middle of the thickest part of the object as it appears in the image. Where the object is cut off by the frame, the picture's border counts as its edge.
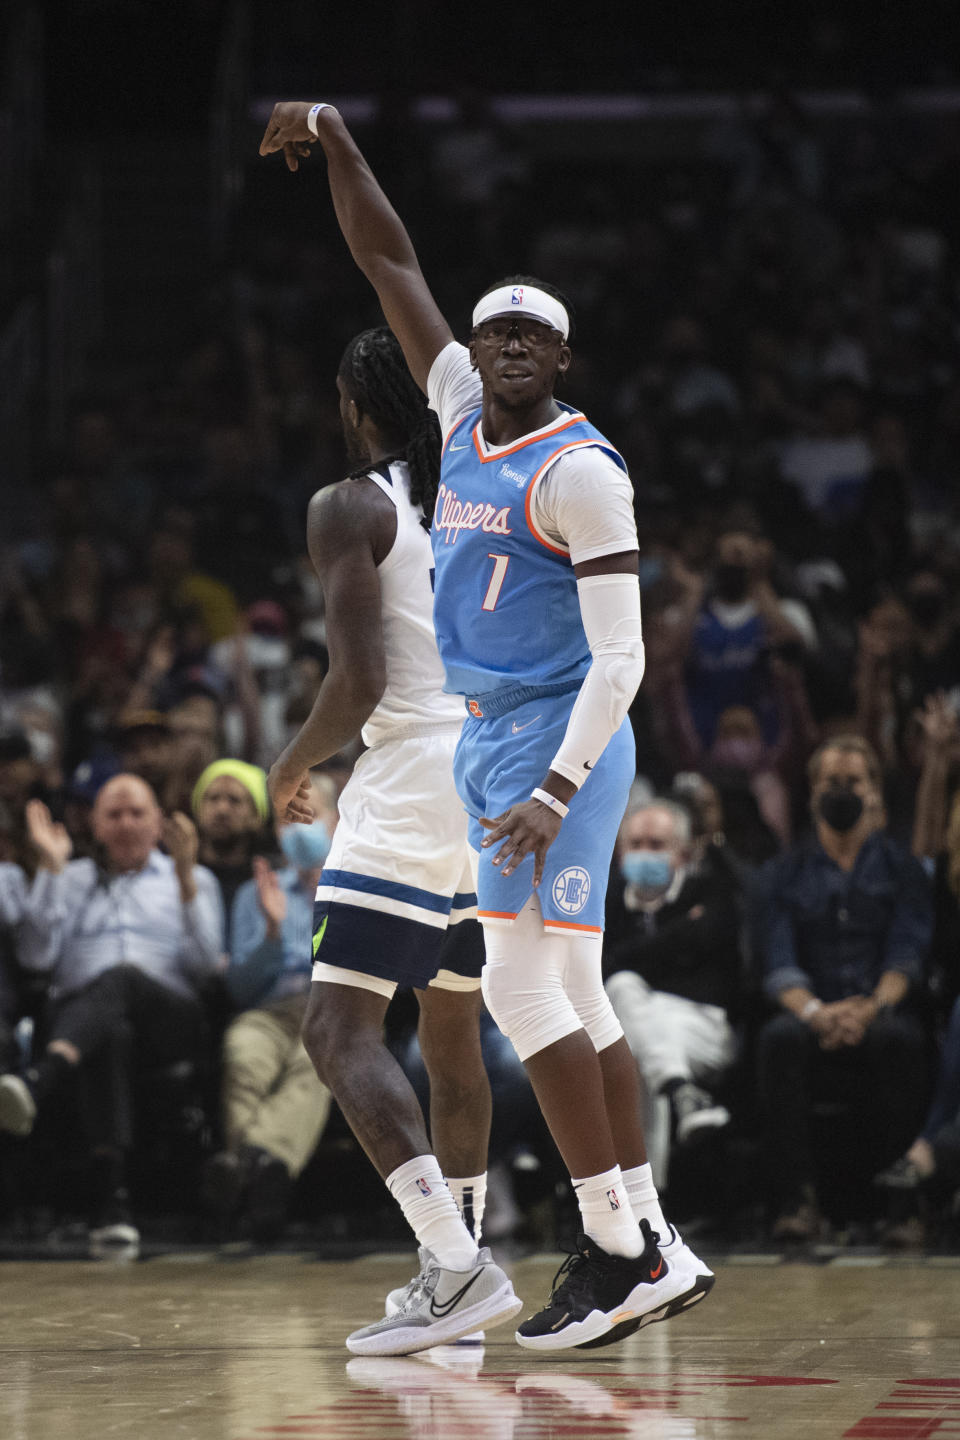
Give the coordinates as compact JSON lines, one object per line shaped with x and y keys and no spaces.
{"x":525,"y":300}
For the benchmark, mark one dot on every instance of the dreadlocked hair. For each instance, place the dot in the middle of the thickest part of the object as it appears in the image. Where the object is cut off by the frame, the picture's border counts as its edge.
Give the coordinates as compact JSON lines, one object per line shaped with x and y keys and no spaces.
{"x":376,"y":377}
{"x":540,"y":285}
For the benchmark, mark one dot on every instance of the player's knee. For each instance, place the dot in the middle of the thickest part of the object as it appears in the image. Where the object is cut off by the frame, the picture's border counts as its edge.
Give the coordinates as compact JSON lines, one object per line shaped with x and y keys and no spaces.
{"x":449,"y":1032}
{"x":531,"y":1018}
{"x":599,"y":1019}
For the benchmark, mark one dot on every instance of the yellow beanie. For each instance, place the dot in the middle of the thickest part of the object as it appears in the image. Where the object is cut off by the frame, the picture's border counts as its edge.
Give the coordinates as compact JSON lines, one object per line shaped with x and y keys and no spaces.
{"x":251,"y":777}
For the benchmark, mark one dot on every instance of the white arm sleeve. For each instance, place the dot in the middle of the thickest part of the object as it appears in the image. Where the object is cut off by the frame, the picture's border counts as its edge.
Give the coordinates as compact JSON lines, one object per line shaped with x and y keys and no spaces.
{"x":610,"y":609}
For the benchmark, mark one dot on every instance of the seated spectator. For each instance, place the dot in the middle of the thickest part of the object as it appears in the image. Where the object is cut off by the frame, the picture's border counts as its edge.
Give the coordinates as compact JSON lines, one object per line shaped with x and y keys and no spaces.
{"x":671,"y":952}
{"x":231,"y":809}
{"x":933,"y":1160}
{"x":128,"y":939}
{"x":274,"y":1107}
{"x":845,"y":926}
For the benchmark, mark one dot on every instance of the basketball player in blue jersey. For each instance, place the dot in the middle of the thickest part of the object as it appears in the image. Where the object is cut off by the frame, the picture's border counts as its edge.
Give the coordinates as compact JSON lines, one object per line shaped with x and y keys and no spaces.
{"x":396,"y":897}
{"x":537,"y":612}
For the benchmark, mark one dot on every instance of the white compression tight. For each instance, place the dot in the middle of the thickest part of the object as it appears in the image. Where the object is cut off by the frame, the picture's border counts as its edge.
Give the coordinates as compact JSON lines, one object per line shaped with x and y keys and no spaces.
{"x":540,"y":986}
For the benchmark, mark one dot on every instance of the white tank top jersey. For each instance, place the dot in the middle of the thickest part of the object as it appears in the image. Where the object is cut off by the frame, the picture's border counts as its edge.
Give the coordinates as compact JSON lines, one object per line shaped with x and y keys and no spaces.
{"x":414,"y":694}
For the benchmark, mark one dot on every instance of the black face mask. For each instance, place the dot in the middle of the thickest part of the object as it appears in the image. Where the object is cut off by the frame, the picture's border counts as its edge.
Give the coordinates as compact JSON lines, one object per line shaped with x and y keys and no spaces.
{"x":840,"y":808}
{"x":731,"y":581}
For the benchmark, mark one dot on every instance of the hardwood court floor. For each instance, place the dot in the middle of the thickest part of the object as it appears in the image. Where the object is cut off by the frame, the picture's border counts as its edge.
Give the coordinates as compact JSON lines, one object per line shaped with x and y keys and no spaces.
{"x":206,"y":1348}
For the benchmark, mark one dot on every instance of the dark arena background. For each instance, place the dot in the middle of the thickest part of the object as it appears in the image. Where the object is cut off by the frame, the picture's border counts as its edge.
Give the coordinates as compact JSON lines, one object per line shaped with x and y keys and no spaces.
{"x":755,"y":212}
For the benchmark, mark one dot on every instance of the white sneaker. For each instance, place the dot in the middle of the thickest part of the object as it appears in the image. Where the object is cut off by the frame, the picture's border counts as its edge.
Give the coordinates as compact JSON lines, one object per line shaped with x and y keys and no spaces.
{"x":686,"y":1283}
{"x":696,"y":1112}
{"x":399,"y":1297}
{"x":440,"y":1306}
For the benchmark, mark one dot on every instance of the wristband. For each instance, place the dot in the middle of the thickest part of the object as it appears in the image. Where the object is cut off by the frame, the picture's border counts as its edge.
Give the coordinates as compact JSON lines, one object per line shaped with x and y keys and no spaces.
{"x":551,"y":801}
{"x":312,"y":117}
{"x":810,"y":1009}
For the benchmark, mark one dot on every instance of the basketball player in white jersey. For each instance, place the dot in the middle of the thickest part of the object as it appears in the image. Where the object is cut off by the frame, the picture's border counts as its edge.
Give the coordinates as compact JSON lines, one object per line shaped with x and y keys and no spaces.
{"x":396,"y":903}
{"x":538,"y":623}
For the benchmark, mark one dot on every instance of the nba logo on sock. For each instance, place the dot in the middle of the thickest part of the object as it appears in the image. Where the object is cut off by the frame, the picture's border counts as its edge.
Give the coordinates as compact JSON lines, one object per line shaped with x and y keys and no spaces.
{"x":423,"y":1187}
{"x":614,"y":1199}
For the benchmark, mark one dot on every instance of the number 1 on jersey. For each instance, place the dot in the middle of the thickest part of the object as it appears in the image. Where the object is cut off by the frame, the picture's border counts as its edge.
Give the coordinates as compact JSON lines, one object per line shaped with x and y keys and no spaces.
{"x":500,"y":563}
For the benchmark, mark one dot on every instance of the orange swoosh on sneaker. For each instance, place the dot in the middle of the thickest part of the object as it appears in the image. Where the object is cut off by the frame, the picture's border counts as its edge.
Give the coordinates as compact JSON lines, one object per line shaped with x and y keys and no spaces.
{"x":655,"y":1274}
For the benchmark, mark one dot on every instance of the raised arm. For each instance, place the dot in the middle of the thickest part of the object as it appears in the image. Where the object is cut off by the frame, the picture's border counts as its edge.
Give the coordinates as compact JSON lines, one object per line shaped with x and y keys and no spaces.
{"x":344,"y":533}
{"x":371,"y":227}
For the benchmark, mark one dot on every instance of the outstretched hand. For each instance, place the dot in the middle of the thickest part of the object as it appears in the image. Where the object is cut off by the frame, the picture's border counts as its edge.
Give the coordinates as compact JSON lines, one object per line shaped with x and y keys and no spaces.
{"x":287,"y":130}
{"x":526,"y":829}
{"x":49,"y":838}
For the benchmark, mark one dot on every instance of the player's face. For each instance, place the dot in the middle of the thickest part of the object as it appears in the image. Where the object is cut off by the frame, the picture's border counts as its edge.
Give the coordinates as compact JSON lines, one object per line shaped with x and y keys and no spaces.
{"x":518,"y":359}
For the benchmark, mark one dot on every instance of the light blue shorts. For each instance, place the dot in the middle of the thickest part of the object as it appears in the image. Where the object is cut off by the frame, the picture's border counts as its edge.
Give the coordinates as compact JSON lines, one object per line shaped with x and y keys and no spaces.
{"x":500,"y":758}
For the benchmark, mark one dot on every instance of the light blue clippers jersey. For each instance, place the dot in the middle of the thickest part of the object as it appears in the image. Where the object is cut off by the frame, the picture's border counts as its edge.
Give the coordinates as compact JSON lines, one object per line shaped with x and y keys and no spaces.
{"x":506,"y":609}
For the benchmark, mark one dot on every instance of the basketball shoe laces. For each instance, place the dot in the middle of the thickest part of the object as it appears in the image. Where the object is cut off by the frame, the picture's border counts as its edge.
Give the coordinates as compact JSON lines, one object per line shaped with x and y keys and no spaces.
{"x":574,"y":1267}
{"x":422,"y":1285}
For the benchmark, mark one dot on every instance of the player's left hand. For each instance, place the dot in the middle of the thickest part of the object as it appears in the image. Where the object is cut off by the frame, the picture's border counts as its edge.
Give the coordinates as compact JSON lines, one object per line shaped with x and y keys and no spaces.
{"x":290,"y":796}
{"x":287,"y":130}
{"x":526,"y":829}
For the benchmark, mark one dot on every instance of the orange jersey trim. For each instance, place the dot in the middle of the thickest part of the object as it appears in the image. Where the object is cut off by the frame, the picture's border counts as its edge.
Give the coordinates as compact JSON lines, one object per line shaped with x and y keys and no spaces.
{"x":569,"y":925}
{"x":551,"y":460}
{"x":526,"y":440}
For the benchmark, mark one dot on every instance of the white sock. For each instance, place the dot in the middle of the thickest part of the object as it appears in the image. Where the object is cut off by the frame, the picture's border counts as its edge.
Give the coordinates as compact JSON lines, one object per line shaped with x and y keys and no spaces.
{"x":431,"y":1212}
{"x":607,"y":1217}
{"x":471,"y":1198}
{"x":644,"y":1200}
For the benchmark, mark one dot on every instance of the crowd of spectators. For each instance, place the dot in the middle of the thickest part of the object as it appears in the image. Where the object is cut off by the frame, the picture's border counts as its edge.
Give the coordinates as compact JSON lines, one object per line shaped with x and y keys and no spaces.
{"x":767,"y":330}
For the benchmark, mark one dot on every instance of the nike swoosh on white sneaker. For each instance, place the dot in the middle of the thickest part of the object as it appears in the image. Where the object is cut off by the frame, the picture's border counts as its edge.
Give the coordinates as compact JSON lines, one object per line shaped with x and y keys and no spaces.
{"x":517,"y":728}
{"x":446,"y":1306}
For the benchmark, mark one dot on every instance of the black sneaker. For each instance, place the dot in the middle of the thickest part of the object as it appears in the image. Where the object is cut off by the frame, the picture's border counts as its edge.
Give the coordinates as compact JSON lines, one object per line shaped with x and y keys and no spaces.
{"x":687,"y":1281}
{"x":593,"y":1292}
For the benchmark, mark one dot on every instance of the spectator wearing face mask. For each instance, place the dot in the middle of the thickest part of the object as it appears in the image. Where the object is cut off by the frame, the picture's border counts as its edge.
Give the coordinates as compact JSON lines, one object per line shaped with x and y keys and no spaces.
{"x":274,"y":1107}
{"x":844,"y":926}
{"x":723,"y":633}
{"x":672,"y":957}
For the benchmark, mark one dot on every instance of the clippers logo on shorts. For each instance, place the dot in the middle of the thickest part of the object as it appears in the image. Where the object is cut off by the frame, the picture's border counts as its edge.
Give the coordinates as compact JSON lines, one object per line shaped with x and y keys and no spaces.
{"x":614,"y":1199}
{"x":423,"y":1187}
{"x":571,"y":890}
{"x":517,"y":297}
{"x":474,"y":709}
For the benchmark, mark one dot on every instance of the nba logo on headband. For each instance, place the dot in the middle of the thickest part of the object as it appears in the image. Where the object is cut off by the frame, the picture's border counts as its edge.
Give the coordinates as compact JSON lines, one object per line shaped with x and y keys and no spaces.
{"x":517,"y":297}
